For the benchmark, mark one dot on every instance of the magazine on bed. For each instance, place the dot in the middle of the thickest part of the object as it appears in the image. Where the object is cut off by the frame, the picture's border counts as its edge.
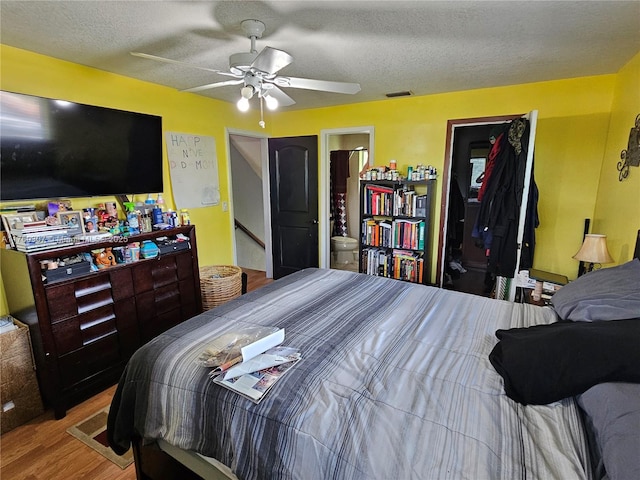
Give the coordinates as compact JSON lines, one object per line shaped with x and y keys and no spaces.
{"x":254,"y":385}
{"x":249,"y":361}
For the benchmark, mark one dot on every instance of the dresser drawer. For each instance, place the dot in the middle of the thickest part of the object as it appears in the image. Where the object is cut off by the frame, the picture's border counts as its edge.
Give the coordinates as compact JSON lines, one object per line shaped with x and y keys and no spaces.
{"x":152,"y":274}
{"x":89,"y":360}
{"x":121,"y":283}
{"x":82,"y":330}
{"x":70,"y":299}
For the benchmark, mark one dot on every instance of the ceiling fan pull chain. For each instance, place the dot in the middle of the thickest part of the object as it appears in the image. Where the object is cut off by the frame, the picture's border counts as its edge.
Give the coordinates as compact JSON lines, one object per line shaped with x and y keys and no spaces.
{"x":261,"y":122}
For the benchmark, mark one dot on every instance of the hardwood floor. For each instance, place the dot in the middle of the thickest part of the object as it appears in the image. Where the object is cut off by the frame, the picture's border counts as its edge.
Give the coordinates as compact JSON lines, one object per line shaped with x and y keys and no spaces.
{"x":42,"y":449}
{"x":256,"y":279}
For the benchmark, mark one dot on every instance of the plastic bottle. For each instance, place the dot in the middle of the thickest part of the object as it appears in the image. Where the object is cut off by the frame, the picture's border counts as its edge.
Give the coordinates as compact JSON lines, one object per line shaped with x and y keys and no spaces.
{"x":149,"y":200}
{"x":156,"y":215}
{"x":184,"y":217}
{"x":132,"y":218}
{"x":170,"y":218}
{"x":146,"y":218}
{"x":160,"y":202}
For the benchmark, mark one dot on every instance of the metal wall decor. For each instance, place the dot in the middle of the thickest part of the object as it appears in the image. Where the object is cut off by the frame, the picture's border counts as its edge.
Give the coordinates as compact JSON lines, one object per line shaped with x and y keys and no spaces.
{"x":631,"y":156}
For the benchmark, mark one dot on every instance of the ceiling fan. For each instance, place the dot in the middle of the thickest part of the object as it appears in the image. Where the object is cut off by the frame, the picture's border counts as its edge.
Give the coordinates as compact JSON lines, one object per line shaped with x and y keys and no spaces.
{"x":258,"y":73}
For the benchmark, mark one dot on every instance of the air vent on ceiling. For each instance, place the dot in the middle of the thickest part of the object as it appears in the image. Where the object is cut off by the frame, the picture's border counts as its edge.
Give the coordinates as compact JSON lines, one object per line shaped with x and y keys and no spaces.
{"x":404,"y":93}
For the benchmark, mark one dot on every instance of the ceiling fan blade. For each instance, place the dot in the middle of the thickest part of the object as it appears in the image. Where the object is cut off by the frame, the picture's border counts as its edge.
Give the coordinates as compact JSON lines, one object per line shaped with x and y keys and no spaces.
{"x":213,"y":85}
{"x":322,"y":85}
{"x":176,"y":62}
{"x":284,"y":100}
{"x":271,"y":60}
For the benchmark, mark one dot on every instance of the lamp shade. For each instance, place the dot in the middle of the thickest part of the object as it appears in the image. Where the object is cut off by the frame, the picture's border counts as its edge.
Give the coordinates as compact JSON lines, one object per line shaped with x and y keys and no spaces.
{"x":594,"y":249}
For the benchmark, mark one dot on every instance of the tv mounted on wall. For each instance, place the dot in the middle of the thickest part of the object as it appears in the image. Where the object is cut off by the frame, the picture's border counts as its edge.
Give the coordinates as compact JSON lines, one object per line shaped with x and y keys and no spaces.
{"x":52,"y":148}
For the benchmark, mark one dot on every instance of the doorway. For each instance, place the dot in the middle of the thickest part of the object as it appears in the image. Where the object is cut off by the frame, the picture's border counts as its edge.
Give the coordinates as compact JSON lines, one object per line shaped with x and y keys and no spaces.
{"x":330,"y":139}
{"x":358,"y":142}
{"x":249,"y":206}
{"x":461,"y":264}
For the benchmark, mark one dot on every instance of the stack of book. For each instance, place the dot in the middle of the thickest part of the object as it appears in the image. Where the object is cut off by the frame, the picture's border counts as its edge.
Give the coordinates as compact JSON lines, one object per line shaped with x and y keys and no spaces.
{"x":408,"y":234}
{"x":399,"y":264}
{"x":378,"y":200}
{"x":408,"y":265}
{"x":37,"y":236}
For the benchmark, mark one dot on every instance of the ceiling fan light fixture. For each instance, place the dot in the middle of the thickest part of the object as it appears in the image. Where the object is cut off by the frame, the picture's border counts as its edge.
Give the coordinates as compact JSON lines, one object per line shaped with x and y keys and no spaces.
{"x":272,"y":102}
{"x":247,"y":92}
{"x":243,"y":104}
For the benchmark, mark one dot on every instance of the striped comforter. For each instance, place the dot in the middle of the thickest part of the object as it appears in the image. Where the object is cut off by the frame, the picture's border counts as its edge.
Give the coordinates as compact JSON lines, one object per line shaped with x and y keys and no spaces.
{"x":395,"y":383}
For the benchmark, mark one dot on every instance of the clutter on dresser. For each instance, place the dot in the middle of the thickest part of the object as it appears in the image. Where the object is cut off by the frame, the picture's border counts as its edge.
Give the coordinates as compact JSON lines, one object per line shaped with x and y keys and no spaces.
{"x":63,"y":268}
{"x":31,"y":228}
{"x":109,"y":253}
{"x":172,"y":244}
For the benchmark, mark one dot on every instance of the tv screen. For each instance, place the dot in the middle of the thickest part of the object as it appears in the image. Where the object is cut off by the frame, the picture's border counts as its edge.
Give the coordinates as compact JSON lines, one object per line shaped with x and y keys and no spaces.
{"x":52,"y":148}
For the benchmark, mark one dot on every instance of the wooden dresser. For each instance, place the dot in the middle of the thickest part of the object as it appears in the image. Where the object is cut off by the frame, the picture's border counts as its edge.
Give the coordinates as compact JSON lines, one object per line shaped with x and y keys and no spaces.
{"x":84,"y":329}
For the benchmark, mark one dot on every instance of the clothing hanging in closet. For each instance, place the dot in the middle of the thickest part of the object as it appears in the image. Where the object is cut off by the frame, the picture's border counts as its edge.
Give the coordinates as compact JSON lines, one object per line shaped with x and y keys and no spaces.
{"x":496,"y":227}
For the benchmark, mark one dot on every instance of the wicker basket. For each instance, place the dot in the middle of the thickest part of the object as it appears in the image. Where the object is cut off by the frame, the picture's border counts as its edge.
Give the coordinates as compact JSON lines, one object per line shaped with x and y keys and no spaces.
{"x":219,"y":284}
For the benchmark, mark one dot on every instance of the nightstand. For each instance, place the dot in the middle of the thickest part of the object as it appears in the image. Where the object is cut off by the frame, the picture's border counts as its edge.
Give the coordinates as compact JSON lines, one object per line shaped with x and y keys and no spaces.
{"x":547,"y":284}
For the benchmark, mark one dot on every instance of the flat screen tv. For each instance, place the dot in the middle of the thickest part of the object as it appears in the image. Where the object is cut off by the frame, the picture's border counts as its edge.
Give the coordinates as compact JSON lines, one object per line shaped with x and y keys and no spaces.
{"x":52,"y":148}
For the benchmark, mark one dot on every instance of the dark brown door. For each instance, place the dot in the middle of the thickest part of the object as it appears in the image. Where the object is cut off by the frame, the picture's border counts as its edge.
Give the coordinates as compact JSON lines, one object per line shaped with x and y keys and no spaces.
{"x":293,"y":175}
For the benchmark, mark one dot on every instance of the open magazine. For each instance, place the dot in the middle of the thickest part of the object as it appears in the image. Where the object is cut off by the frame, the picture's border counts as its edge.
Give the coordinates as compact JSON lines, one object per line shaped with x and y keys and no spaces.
{"x":255,"y":385}
{"x":249,"y":361}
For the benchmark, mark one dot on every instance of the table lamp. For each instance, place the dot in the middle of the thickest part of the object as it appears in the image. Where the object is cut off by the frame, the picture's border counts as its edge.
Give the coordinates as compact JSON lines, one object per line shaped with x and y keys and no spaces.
{"x":593,"y":250}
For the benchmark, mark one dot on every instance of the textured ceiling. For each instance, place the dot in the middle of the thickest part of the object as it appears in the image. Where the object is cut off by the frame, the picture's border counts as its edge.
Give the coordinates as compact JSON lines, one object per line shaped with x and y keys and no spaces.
{"x":387,"y":46}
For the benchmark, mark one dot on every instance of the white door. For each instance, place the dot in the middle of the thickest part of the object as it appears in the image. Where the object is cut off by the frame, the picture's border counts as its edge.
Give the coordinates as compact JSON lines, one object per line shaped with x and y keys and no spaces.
{"x":506,"y":287}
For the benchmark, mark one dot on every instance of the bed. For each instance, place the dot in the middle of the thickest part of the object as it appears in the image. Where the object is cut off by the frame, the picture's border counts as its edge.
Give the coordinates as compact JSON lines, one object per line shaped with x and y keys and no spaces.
{"x":396,"y":382}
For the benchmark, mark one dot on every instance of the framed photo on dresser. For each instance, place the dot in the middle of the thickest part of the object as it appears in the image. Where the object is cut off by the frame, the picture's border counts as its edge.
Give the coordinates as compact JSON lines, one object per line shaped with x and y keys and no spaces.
{"x":73,"y":220}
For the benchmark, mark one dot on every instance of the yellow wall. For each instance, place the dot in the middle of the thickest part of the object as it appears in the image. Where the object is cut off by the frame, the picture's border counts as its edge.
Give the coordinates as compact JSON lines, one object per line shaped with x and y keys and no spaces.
{"x":570,"y":143}
{"x":617,"y":212}
{"x":574,"y":117}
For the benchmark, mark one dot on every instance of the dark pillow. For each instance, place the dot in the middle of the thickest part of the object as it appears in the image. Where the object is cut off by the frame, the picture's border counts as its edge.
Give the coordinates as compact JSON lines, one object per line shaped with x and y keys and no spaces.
{"x":612,"y":413}
{"x":606,"y":294}
{"x":546,"y":363}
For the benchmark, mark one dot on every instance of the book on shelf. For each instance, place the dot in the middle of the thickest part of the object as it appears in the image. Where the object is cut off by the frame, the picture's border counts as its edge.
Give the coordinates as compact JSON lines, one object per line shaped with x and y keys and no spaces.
{"x":249,"y":361}
{"x":408,"y":234}
{"x":377,"y":233}
{"x":421,"y":206}
{"x":408,"y":265}
{"x":377,"y":261}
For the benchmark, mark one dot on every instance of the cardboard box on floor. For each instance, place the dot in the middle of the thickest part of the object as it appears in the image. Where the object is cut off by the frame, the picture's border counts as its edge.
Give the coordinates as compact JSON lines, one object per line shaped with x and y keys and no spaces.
{"x":20,"y":399}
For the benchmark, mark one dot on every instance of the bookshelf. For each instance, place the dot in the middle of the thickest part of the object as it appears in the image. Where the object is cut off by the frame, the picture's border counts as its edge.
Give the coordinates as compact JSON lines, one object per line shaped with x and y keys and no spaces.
{"x":396,"y":229}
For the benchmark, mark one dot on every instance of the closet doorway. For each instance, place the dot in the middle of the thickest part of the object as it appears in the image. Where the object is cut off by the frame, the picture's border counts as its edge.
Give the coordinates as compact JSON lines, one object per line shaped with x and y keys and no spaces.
{"x":352,"y":147}
{"x":461,"y":264}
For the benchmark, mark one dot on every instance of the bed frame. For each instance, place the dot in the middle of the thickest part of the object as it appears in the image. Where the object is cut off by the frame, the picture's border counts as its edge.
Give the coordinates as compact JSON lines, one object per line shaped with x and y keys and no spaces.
{"x":153,"y":463}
